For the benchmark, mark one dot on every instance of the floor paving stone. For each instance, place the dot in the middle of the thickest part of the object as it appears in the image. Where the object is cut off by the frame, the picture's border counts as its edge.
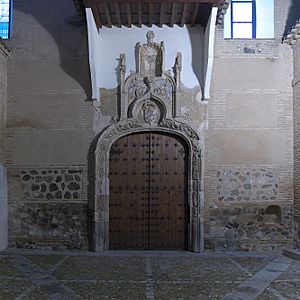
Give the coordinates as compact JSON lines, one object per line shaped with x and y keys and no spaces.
{"x":40,"y":278}
{"x":11,"y":288}
{"x":8,"y":269}
{"x":102,"y":268}
{"x":251,"y":288}
{"x":267,"y":295}
{"x":143,"y":275}
{"x":293,"y":272}
{"x":288,"y":289}
{"x":47,"y":262}
{"x":252,"y":264}
{"x":196,"y":269}
{"x":109,"y":290}
{"x":205,"y":290}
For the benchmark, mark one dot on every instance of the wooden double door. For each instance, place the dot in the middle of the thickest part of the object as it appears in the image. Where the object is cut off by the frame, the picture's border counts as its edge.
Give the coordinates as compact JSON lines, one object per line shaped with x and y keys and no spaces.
{"x":148,"y":192}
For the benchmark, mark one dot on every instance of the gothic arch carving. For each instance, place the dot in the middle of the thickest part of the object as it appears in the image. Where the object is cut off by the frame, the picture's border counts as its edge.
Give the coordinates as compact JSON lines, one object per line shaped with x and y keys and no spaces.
{"x":148,"y":111}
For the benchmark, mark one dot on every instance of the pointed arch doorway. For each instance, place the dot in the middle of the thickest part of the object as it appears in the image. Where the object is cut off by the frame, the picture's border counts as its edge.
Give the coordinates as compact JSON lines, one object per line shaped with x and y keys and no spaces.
{"x":148,"y":192}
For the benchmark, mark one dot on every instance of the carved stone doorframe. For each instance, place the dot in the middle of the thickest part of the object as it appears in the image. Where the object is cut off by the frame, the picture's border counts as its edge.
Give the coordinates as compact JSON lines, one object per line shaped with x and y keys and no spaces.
{"x":195,"y":186}
{"x":149,"y":102}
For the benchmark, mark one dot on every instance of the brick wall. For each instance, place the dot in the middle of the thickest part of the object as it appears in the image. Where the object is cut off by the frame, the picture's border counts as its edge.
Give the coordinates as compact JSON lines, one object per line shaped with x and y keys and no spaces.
{"x":249,"y":143}
{"x":49,"y":126}
{"x":3,"y":99}
{"x":3,"y":177}
{"x":296,"y":90}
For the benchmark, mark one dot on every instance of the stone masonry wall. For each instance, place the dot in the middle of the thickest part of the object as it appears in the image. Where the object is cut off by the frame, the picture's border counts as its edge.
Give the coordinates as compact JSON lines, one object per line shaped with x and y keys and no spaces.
{"x":249,"y":143}
{"x":3,"y":100}
{"x":296,"y":90}
{"x":49,"y":126}
{"x":3,"y":177}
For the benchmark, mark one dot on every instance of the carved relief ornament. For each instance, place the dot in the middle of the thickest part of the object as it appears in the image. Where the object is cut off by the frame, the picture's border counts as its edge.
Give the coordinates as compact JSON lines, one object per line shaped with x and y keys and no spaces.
{"x":149,"y":101}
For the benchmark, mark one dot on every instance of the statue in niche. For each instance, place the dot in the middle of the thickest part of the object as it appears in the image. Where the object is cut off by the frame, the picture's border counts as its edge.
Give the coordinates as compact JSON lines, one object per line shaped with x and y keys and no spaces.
{"x":150,"y":79}
{"x":150,"y":37}
{"x":151,"y":57}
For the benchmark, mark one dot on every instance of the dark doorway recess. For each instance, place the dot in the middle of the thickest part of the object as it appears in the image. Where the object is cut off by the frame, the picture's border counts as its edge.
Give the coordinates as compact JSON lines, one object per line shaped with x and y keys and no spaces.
{"x":148,"y":192}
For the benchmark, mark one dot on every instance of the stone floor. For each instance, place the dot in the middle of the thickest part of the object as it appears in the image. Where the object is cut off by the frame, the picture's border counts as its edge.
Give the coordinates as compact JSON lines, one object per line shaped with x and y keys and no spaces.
{"x":147,"y":275}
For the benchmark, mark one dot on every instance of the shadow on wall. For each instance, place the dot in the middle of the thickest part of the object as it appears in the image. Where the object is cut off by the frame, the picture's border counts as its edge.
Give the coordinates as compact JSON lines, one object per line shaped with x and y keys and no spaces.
{"x":91,"y":190}
{"x":197,"y":62}
{"x":61,"y":21}
{"x":293,"y":17}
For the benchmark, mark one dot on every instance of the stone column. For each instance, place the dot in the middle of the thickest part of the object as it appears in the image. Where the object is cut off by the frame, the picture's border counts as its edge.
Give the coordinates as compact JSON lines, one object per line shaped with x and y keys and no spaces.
{"x":3,"y":173}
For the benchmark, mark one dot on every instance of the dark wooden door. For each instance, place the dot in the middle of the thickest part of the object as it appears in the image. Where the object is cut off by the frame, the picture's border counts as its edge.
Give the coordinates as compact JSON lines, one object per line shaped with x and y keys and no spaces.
{"x":147,"y":201}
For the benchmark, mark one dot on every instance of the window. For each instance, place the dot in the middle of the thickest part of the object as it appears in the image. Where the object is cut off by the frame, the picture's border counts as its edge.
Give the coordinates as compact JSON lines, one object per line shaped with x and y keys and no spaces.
{"x":5,"y":18}
{"x":249,"y":19}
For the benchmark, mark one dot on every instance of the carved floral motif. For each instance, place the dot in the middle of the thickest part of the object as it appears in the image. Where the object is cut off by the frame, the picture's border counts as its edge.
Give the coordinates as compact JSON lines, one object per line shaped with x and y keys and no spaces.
{"x":160,"y":87}
{"x":164,"y":88}
{"x":179,"y":126}
{"x":136,"y":88}
{"x":147,"y":104}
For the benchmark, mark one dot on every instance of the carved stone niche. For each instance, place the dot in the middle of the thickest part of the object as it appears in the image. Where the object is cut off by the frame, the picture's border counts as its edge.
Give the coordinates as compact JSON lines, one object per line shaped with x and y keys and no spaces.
{"x":149,"y":102}
{"x":150,"y":81}
{"x":150,"y":57}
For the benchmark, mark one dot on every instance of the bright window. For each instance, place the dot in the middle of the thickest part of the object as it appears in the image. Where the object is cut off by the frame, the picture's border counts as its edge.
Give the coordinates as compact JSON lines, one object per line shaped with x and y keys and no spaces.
{"x":249,"y":19}
{"x":5,"y":18}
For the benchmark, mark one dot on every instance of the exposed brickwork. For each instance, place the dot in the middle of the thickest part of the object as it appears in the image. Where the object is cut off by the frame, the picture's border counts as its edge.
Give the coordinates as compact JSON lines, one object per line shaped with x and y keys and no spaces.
{"x":296,"y":91}
{"x":49,"y":126}
{"x":3,"y":100}
{"x":3,"y":173}
{"x":250,"y":128}
{"x":296,"y":86}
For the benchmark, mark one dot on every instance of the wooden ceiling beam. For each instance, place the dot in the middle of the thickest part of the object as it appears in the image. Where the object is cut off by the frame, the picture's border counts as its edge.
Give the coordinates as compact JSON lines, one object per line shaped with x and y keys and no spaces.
{"x":173,"y":14}
{"x":161,"y":16}
{"x":184,"y":14}
{"x":118,"y":13}
{"x":150,"y":22}
{"x":140,"y":21}
{"x":96,"y":13}
{"x":129,"y":22}
{"x":195,"y":14}
{"x":88,"y":3}
{"x":108,"y":17}
{"x":150,"y":12}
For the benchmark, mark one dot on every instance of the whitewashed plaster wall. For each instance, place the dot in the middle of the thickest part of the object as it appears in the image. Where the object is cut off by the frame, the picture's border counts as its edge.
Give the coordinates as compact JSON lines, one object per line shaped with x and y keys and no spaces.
{"x":107,"y":44}
{"x":209,"y":44}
